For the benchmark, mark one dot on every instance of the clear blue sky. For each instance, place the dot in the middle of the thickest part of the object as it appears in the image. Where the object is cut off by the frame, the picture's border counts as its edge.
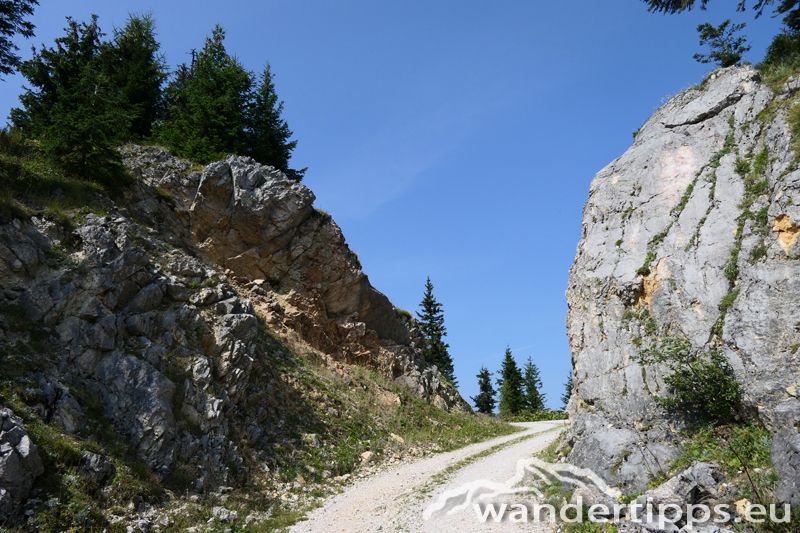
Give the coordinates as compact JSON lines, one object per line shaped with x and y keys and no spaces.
{"x":451,"y":139}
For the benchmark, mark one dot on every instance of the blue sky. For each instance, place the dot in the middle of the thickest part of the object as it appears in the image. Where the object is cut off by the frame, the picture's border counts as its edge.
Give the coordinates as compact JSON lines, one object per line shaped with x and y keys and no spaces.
{"x":451,"y":139}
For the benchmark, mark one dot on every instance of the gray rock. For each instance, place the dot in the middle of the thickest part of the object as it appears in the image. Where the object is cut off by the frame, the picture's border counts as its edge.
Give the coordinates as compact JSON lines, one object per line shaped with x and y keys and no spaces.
{"x":6,"y":504}
{"x":187,"y":268}
{"x":19,"y":458}
{"x":698,"y":484}
{"x":223,"y":515}
{"x":148,"y":299}
{"x":138,"y":400}
{"x":68,"y":414}
{"x":138,"y":325}
{"x":658,"y":233}
{"x":177,"y":291}
{"x":98,"y":468}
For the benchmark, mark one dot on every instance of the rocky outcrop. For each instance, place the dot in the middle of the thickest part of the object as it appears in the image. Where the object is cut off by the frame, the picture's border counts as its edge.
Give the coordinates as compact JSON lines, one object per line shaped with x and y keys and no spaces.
{"x":170,"y":313}
{"x":19,"y":462}
{"x":259,"y":228}
{"x":692,"y":233}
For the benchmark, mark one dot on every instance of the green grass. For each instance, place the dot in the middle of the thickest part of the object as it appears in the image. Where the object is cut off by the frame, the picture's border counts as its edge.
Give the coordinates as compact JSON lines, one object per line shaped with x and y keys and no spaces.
{"x":536,"y":416}
{"x":549,"y":453}
{"x":644,"y":270}
{"x":728,"y":300}
{"x":30,"y":183}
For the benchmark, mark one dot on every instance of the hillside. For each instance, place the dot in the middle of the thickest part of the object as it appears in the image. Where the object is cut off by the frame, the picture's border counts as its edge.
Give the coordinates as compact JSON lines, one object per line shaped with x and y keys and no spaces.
{"x":199,"y":344}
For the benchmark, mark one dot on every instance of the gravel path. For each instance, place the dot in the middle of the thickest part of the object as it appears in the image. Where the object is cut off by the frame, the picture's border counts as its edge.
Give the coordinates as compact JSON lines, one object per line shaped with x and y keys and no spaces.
{"x":395,"y":500}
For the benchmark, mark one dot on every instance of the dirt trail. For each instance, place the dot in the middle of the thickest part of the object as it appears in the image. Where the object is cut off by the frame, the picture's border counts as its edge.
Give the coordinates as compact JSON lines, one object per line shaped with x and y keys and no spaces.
{"x":395,"y":500}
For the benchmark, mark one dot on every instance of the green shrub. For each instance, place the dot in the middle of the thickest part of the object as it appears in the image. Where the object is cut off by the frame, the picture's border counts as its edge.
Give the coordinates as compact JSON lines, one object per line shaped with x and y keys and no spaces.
{"x":702,"y":383}
{"x":742,"y":167}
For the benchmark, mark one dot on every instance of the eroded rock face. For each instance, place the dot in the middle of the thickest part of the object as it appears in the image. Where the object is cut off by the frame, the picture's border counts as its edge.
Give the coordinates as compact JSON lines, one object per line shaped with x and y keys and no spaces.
{"x":705,"y":205}
{"x":260,"y":228}
{"x":154,"y":316}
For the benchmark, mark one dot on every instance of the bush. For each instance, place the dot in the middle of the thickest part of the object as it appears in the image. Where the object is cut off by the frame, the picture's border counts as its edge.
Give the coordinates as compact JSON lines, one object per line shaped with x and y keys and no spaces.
{"x":702,"y":383}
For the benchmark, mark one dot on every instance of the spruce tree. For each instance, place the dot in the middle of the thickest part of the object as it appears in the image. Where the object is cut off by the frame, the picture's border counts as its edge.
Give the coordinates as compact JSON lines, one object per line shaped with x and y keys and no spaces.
{"x":138,"y":70}
{"x":484,"y":401}
{"x":73,"y":105}
{"x":207,"y":104}
{"x":567,"y":391}
{"x":510,"y":383}
{"x":431,"y":324}
{"x":725,"y":49}
{"x":12,"y":22}
{"x":533,"y":399}
{"x":268,"y":136}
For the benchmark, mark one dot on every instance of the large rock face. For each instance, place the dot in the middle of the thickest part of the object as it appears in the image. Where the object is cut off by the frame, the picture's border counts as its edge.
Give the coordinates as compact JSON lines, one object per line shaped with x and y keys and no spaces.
{"x":704,"y":207}
{"x":261,"y":229}
{"x":158,"y":312}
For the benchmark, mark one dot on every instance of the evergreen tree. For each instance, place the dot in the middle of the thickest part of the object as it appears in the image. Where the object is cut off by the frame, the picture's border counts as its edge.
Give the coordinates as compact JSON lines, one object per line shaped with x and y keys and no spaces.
{"x":207,"y":104}
{"x":510,"y":383}
{"x":726,"y":49}
{"x":567,"y":391}
{"x":12,"y":22}
{"x":138,"y":70}
{"x":533,"y":399}
{"x":484,"y":401}
{"x":268,"y":134}
{"x":73,"y":107}
{"x":431,"y":324}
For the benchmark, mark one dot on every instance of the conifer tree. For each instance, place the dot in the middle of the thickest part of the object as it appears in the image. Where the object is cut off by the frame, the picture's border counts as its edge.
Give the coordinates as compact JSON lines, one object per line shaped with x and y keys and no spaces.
{"x":12,"y":22}
{"x":138,"y":70}
{"x":431,"y":324}
{"x":533,"y":399}
{"x":725,"y":49}
{"x":510,"y":383}
{"x":73,"y":106}
{"x":207,"y":104}
{"x":567,"y":391}
{"x":268,"y":134}
{"x":484,"y":401}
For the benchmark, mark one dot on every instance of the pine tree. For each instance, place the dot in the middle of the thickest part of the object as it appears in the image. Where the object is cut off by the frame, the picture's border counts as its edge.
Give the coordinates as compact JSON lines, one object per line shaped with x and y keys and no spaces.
{"x":207,"y":104}
{"x":268,"y":134}
{"x":510,"y":383}
{"x":138,"y":70}
{"x":726,"y":50}
{"x":12,"y":22}
{"x":73,"y":107}
{"x":484,"y":401}
{"x":431,"y":324}
{"x":533,"y":399}
{"x":567,"y":391}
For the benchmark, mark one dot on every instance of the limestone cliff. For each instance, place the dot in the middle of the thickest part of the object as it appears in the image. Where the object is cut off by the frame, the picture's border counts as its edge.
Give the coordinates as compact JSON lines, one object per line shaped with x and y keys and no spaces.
{"x":692,"y":233}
